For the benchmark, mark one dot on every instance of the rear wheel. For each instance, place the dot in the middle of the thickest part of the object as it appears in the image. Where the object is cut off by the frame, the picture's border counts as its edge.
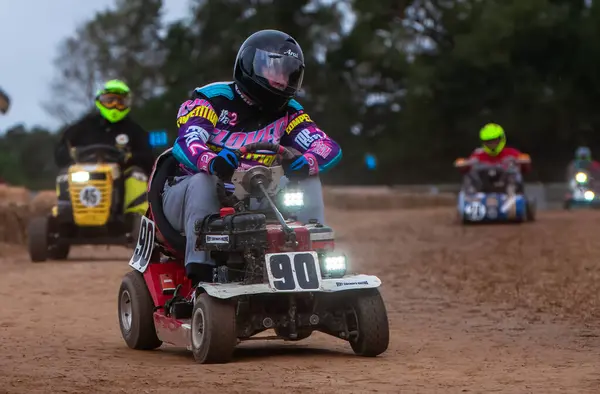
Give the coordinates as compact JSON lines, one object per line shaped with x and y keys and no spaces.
{"x":136,"y":310}
{"x":37,"y":239}
{"x":213,"y":330}
{"x":371,"y":323}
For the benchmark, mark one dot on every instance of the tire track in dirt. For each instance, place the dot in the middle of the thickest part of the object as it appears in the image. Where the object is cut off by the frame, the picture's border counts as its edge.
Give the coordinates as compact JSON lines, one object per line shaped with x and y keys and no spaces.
{"x":481,"y":309}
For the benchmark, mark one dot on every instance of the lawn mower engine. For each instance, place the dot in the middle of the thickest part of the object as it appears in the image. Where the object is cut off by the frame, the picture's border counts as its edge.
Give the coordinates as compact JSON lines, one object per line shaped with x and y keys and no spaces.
{"x":238,"y":242}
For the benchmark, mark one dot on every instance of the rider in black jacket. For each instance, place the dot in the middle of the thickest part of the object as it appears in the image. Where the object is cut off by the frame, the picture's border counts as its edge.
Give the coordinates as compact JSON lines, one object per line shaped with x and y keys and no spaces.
{"x":110,"y":125}
{"x":104,"y":126}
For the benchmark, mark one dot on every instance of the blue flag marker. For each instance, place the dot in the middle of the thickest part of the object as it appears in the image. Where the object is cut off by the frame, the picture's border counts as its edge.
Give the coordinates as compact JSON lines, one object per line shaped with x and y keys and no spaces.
{"x":158,"y":138}
{"x":370,"y":161}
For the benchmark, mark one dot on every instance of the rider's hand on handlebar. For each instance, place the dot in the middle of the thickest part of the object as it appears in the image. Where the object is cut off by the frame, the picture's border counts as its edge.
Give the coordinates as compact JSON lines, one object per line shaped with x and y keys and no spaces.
{"x":224,"y":164}
{"x":296,"y":168}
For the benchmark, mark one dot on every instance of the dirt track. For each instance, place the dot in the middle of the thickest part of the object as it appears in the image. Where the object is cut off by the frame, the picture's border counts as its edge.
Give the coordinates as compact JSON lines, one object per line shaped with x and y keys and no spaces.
{"x":483,"y":309}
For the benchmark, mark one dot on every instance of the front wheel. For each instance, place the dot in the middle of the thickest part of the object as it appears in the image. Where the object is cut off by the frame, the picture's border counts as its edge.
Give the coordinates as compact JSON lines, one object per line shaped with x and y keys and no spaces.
{"x":213,"y":330}
{"x":371,"y":323}
{"x":37,"y":239}
{"x":136,"y":310}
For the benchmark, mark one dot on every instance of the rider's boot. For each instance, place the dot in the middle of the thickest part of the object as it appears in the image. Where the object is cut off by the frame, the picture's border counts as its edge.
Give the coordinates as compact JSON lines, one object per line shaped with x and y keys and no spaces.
{"x":179,"y":306}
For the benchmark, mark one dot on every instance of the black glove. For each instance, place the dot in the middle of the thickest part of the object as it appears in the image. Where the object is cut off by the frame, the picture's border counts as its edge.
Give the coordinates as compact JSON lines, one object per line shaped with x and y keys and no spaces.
{"x":224,"y":164}
{"x":296,"y":168}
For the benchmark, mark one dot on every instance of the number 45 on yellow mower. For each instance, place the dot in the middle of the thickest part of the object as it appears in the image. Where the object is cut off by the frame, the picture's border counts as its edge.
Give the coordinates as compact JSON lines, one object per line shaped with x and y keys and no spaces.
{"x":98,"y":204}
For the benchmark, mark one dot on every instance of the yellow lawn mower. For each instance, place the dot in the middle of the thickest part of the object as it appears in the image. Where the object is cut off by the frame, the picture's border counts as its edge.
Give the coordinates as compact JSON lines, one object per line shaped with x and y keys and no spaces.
{"x":98,"y":204}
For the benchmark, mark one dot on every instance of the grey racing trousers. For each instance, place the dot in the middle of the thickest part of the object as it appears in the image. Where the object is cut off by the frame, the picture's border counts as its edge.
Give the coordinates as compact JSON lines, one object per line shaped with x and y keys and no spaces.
{"x":193,"y":197}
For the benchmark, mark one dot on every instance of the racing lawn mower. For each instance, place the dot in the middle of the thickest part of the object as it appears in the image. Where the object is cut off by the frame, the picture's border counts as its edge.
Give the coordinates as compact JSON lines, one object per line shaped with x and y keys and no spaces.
{"x":272,"y":272}
{"x":581,"y":192}
{"x":94,"y":205}
{"x":492,"y":193}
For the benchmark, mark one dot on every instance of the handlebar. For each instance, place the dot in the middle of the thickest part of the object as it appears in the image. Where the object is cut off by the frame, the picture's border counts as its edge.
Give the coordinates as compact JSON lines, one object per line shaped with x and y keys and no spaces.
{"x":507,"y":164}
{"x":250,"y":148}
{"x":97,"y":152}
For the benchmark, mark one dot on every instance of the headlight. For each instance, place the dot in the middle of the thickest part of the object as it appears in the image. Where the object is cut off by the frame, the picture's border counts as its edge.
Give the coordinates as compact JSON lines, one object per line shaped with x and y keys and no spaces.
{"x":334,"y":266}
{"x":581,"y":177}
{"x":80,"y":176}
{"x":589,"y":195}
{"x":293,"y":199}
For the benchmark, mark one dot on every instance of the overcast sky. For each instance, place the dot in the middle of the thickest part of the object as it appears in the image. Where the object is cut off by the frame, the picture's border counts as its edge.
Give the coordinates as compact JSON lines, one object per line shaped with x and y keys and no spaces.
{"x":30,"y":31}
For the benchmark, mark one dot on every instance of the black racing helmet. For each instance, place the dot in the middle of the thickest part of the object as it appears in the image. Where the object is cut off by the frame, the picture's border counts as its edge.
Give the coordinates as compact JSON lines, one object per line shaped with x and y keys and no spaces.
{"x":269,"y":68}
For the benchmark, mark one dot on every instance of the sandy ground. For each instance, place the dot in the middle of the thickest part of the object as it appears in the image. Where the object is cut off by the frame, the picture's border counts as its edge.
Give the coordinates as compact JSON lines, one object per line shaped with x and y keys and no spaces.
{"x":494,"y":309}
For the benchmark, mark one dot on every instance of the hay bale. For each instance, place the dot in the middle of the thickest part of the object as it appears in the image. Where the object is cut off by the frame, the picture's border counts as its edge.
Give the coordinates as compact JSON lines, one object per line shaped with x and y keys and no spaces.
{"x":9,"y":250}
{"x":16,"y":206}
{"x":13,"y":223}
{"x":43,"y":202}
{"x":16,"y":209}
{"x":383,"y":198}
{"x":13,"y":194}
{"x":14,"y":214}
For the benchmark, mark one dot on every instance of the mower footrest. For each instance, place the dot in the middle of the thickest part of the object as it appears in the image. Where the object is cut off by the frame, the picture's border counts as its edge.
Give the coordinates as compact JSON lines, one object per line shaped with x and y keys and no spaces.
{"x":173,"y":331}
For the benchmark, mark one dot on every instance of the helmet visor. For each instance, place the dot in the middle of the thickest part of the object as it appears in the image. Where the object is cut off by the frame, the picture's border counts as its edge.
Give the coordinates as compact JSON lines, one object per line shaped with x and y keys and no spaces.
{"x":114,"y":101}
{"x":282,"y":72}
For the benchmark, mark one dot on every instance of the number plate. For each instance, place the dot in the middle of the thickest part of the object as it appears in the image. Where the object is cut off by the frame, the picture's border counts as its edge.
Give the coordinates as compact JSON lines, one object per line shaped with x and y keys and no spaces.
{"x":475,"y":211}
{"x":293,"y":272}
{"x":90,"y":197}
{"x":145,"y":244}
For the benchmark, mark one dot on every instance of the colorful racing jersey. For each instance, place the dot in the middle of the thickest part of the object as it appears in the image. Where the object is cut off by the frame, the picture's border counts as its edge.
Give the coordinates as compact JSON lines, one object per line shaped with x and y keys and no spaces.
{"x":219,"y":116}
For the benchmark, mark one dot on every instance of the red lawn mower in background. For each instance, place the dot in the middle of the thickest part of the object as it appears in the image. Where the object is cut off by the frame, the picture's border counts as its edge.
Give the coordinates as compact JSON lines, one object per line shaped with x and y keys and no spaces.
{"x":272,"y":272}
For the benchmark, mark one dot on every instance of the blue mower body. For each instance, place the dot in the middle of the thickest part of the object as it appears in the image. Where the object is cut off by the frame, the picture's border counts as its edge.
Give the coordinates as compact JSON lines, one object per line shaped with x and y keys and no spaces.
{"x":492,"y":208}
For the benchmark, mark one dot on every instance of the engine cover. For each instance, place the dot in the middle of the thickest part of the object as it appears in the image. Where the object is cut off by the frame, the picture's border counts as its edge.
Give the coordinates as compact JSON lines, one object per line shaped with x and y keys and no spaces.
{"x":237,"y":232}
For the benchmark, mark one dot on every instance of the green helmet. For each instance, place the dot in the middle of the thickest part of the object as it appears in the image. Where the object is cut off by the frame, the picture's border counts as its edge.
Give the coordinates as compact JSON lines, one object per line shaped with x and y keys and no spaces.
{"x":114,"y":100}
{"x":492,"y":138}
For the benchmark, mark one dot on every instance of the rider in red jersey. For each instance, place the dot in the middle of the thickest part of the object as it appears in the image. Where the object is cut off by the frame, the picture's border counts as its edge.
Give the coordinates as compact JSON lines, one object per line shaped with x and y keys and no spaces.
{"x":494,"y":151}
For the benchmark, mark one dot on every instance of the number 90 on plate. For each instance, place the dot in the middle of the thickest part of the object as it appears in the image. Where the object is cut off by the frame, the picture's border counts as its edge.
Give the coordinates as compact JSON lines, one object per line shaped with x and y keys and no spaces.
{"x":293,"y":271}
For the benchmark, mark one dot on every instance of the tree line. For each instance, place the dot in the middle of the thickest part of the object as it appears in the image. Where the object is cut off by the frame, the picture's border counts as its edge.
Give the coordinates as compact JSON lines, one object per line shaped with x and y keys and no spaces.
{"x":410,"y":81}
